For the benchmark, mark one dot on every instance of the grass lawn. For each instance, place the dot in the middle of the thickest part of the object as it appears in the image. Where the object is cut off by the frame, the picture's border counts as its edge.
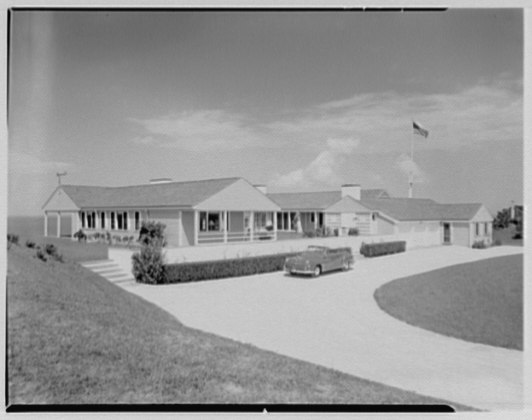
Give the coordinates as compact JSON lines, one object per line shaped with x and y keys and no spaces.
{"x":505,"y":236}
{"x":73,"y":337}
{"x":480,"y":302}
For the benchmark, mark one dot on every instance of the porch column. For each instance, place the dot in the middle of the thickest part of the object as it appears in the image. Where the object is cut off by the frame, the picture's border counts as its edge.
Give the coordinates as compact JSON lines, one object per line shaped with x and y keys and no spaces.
{"x":45,"y":223}
{"x":289,"y":221}
{"x":315,"y":220}
{"x":274,"y":225}
{"x":196,"y":227}
{"x":251,"y":224}
{"x":58,"y":224}
{"x":225,"y":226}
{"x":180,"y":228}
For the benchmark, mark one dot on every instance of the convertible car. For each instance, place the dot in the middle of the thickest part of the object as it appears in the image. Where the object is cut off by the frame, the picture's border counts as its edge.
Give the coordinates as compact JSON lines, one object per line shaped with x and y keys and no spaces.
{"x":319,"y":259}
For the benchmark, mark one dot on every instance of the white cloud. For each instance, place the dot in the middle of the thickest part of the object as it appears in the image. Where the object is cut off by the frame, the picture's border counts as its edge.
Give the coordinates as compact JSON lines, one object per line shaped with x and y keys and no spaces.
{"x":488,"y":111}
{"x":24,"y":163}
{"x":198,"y":131}
{"x":407,"y":166}
{"x":323,"y":170}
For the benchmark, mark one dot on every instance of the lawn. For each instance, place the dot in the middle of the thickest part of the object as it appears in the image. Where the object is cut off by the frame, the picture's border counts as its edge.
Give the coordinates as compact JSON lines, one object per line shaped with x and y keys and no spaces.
{"x":74,"y":337}
{"x":480,"y":302}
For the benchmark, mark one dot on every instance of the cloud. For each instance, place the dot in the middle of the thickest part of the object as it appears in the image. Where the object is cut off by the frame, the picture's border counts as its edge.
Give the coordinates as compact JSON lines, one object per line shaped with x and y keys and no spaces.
{"x":323,"y":170}
{"x":488,"y":111}
{"x":407,"y":167}
{"x":24,"y":163}
{"x":197,"y":131}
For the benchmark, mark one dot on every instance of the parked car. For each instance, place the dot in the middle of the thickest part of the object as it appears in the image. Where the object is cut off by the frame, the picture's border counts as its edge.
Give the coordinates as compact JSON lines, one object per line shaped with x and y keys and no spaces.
{"x":319,"y":259}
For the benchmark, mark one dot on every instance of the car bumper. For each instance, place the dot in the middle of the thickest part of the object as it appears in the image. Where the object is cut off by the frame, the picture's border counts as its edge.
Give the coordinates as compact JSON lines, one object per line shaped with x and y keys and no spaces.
{"x":298,"y":270}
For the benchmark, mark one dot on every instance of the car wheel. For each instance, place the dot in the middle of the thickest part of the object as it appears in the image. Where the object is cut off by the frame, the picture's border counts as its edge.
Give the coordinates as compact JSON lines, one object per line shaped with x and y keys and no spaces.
{"x":317,"y":271}
{"x":346,"y":265}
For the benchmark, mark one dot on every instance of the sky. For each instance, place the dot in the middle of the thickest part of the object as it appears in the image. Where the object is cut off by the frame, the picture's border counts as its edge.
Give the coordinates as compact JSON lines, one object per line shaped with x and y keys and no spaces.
{"x":299,"y":101}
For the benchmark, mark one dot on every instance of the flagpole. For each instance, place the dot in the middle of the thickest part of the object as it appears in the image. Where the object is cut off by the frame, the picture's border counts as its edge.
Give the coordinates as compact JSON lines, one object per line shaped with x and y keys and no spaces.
{"x":411,"y":175}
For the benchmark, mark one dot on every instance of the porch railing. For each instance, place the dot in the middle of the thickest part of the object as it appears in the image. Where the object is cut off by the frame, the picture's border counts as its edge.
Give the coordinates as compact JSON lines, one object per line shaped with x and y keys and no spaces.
{"x":244,"y":236}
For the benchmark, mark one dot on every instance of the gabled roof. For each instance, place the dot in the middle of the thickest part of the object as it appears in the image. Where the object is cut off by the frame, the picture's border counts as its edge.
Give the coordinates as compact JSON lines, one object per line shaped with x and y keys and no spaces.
{"x":320,"y":200}
{"x":306,"y":200}
{"x":180,"y":194}
{"x":410,"y":209}
{"x":347,"y":205}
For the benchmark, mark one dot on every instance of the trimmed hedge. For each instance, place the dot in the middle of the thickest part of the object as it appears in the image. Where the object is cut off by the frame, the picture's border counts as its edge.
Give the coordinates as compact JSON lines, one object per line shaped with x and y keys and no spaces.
{"x":235,"y":267}
{"x":382,"y":248}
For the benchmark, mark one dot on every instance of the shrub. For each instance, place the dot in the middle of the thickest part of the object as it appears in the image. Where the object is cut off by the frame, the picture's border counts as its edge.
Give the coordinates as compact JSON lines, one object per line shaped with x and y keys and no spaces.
{"x":80,"y":236}
{"x":40,"y":254}
{"x":30,"y":244}
{"x":152,"y":232}
{"x":309,"y":234}
{"x":497,"y":242}
{"x":148,"y":264}
{"x":382,"y":248}
{"x":234,"y":267}
{"x":51,"y":250}
{"x":353,"y":232}
{"x":480,"y":244}
{"x":12,"y":239}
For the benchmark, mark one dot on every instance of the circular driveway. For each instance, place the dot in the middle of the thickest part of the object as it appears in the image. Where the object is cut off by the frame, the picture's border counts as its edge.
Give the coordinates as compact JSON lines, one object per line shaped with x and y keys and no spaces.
{"x":335,"y":322}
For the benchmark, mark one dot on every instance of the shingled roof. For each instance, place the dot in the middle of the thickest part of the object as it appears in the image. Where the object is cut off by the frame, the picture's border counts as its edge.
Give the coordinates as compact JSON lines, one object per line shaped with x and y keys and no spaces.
{"x":179,"y":194}
{"x":410,"y":209}
{"x":319,"y":200}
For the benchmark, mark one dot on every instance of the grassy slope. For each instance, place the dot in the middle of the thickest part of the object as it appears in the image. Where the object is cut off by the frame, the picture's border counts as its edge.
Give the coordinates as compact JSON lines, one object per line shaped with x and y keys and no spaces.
{"x":480,"y":302}
{"x":73,"y":337}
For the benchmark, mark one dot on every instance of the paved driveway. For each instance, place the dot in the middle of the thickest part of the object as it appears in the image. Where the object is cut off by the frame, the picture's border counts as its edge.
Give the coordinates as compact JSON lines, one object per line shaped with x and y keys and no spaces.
{"x":334,"y":321}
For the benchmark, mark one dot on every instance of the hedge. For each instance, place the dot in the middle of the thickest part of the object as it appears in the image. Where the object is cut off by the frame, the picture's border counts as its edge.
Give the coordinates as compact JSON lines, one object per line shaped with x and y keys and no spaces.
{"x":235,"y":267}
{"x":382,"y":248}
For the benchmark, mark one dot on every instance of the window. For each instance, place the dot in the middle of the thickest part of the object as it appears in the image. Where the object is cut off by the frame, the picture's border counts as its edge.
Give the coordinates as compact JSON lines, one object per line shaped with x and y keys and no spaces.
{"x":91,"y":220}
{"x":82,"y":215}
{"x":486,"y":228}
{"x":102,"y":220}
{"x":373,"y":216}
{"x":477,"y":230}
{"x":125,"y":216}
{"x":137,"y":220}
{"x":210,"y":222}
{"x":113,"y":220}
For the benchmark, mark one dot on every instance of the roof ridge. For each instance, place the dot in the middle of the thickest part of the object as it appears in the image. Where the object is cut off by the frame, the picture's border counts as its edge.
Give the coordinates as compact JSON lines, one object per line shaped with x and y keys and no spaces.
{"x":149,"y":185}
{"x":306,"y":192}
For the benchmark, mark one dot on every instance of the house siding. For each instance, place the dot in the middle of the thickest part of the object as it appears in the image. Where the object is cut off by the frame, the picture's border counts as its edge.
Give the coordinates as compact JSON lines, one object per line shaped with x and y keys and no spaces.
{"x":384,"y":227}
{"x":171,"y":219}
{"x":187,"y":223}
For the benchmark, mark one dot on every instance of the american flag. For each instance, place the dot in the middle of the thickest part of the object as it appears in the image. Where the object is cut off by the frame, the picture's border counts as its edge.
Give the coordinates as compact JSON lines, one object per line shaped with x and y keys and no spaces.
{"x":420,"y":130}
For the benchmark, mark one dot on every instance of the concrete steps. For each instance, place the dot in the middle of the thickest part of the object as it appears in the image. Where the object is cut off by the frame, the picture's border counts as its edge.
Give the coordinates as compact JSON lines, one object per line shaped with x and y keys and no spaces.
{"x":111,"y":271}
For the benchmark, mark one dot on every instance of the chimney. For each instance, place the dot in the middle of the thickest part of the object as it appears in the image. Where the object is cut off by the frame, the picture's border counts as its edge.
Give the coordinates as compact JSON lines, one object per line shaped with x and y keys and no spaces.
{"x":352,"y":190}
{"x":262,"y":188}
{"x":160,"y":180}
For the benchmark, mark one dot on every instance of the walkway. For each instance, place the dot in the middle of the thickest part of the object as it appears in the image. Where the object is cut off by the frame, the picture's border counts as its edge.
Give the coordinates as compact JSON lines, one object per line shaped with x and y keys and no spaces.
{"x":334,"y":321}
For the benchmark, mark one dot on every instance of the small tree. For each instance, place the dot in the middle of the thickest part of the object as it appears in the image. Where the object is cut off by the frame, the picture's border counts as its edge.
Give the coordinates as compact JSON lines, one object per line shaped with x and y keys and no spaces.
{"x":148,"y":264}
{"x":502,"y":220}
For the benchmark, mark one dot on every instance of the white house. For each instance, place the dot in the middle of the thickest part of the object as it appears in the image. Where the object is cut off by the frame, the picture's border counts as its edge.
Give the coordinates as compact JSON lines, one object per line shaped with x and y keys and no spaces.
{"x":233,"y":210}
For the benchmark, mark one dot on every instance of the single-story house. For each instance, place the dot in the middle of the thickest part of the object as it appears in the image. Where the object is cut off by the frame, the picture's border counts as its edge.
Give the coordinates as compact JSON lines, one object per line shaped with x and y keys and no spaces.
{"x":233,"y":210}
{"x":196,"y":212}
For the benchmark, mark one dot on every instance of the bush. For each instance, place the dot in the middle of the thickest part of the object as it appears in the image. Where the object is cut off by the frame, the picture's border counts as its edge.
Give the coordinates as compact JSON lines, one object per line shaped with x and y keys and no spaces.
{"x":152,"y":232}
{"x":80,"y":236}
{"x":12,"y":239}
{"x":497,"y":242}
{"x":235,"y":267}
{"x":30,"y":244}
{"x":480,"y":244}
{"x":148,"y":264}
{"x":309,"y":234}
{"x":40,"y":254}
{"x":382,"y":248}
{"x":353,"y":232}
{"x":51,"y":250}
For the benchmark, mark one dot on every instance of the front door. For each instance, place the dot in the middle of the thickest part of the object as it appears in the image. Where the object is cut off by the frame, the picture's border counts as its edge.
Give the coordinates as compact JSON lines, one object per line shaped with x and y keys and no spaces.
{"x":447,"y":233}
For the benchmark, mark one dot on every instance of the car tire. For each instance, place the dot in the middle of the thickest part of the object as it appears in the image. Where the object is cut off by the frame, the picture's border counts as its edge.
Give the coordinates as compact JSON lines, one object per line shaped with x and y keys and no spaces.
{"x":317,"y":271}
{"x":346,"y":265}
